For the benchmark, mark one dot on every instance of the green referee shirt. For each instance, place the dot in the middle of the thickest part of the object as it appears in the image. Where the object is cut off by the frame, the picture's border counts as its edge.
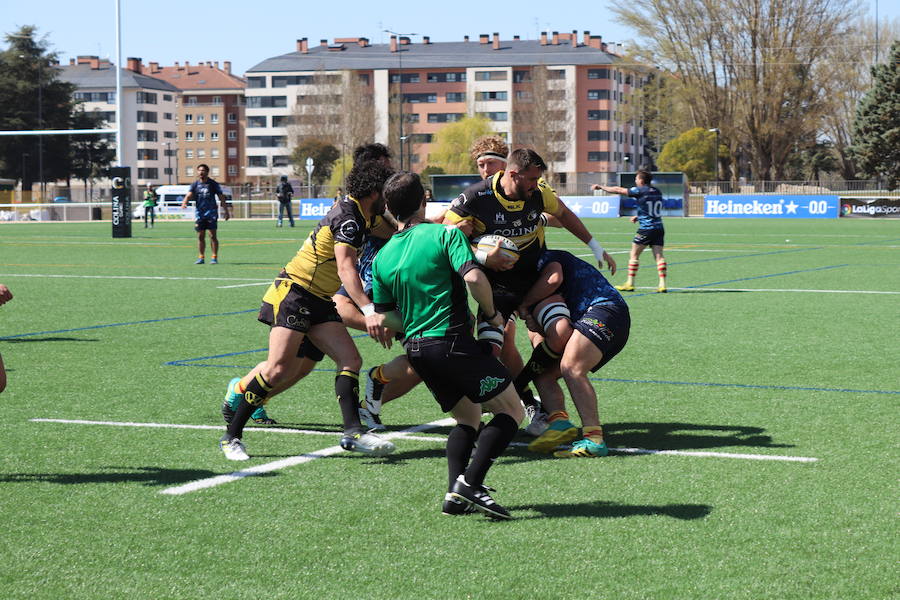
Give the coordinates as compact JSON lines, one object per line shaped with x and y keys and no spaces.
{"x":419,"y":272}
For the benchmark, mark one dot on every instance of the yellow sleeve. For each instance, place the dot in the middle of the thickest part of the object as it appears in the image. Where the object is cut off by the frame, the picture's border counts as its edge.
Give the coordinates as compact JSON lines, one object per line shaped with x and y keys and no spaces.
{"x":551,"y":200}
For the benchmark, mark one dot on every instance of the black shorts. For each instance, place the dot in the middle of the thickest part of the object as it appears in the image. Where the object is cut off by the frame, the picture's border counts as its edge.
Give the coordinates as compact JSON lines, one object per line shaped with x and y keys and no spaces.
{"x":287,"y":304}
{"x":650,"y":237}
{"x":206,"y":224}
{"x":607,"y":326}
{"x":456,"y":366}
{"x":309,"y":350}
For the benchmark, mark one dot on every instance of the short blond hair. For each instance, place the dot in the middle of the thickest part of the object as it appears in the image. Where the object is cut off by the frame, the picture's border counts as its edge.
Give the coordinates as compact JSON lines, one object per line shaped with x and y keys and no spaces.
{"x":489,"y":144}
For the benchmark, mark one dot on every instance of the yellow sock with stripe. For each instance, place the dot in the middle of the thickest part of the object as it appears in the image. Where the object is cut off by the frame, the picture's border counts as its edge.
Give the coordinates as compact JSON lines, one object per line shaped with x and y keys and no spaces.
{"x":593,"y":433}
{"x":378,"y":375}
{"x":558,"y":415}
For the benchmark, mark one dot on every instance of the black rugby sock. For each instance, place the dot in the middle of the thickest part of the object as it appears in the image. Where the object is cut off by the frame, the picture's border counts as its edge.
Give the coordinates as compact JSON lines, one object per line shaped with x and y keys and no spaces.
{"x":346,"y":386}
{"x":459,"y":450}
{"x":542,"y":357}
{"x":492,"y":441}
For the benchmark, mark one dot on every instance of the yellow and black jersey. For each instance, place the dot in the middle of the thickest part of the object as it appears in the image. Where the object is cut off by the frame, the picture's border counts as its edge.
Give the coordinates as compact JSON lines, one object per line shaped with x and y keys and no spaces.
{"x":314,"y":267}
{"x":491,"y":212}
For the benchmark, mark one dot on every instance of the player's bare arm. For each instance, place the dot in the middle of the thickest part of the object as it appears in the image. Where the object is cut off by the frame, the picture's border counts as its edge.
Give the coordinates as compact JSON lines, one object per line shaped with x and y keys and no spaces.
{"x":571,"y":222}
{"x":481,"y":291}
{"x":610,"y":189}
{"x":345,"y":257}
{"x":187,"y":198}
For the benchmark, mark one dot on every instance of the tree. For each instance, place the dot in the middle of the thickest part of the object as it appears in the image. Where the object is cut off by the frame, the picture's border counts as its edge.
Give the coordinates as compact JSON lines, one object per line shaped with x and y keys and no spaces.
{"x":323,"y":155}
{"x":452,"y":142}
{"x":691,"y":152}
{"x":542,"y":116}
{"x":746,"y":67}
{"x":876,"y":130}
{"x":32,"y":97}
{"x":89,"y":155}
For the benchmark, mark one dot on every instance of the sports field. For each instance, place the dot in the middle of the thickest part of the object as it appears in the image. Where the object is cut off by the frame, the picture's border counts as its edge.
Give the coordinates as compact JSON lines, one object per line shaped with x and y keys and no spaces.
{"x":754,"y":412}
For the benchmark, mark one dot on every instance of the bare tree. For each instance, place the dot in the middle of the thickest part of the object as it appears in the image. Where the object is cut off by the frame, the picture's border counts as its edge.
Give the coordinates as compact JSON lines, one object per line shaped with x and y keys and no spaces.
{"x":542,"y":120}
{"x":746,"y":67}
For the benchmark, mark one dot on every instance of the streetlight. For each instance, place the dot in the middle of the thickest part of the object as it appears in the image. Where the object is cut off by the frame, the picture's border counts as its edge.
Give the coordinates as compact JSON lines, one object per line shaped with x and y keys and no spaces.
{"x":716,"y":153}
{"x":400,"y":83}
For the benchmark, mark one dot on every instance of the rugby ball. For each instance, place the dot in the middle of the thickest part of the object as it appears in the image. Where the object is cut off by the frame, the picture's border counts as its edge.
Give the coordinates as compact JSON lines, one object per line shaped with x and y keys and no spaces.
{"x":489,"y":242}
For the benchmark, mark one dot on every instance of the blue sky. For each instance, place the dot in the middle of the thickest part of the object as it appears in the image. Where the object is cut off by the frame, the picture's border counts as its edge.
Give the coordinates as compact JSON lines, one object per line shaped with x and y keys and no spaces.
{"x":246,"y":33}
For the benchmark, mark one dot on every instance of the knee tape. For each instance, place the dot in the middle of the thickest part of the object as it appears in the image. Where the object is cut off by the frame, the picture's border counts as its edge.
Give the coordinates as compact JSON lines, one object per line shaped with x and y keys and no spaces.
{"x":551,"y":313}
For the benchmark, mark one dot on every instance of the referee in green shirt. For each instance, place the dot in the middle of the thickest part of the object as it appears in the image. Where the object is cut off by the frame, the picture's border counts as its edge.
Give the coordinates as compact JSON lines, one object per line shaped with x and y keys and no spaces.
{"x":423,"y":273}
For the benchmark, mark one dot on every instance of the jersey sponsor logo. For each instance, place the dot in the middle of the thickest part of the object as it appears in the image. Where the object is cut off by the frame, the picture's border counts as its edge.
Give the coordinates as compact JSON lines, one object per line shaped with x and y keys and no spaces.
{"x":489,"y":384}
{"x":515,"y":232}
{"x":500,"y":217}
{"x":599,"y":329}
{"x":532,"y":215}
{"x":517,"y":223}
{"x":349,"y":229}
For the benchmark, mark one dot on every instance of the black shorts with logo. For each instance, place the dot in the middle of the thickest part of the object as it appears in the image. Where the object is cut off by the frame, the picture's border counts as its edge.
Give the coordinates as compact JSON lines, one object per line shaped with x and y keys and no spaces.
{"x":287,"y":304}
{"x":650,"y":237}
{"x":206,"y":224}
{"x":607,"y":326}
{"x":309,"y":350}
{"x":456,"y":366}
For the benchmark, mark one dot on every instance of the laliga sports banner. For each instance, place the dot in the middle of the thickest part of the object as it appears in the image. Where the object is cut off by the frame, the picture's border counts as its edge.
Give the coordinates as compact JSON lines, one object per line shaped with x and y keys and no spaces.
{"x":870,"y":206}
{"x":771,"y":207}
{"x":593,"y":207}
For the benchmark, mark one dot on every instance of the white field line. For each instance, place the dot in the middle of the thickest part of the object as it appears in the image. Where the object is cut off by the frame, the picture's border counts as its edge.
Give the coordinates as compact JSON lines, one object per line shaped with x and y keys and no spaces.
{"x":721,"y":289}
{"x":240,"y":285}
{"x":129,"y":277}
{"x":404,"y":434}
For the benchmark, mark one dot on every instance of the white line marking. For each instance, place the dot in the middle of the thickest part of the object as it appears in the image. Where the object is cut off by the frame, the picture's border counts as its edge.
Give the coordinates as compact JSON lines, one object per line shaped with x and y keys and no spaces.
{"x":228,"y":287}
{"x":396,"y":434}
{"x":129,"y":277}
{"x":720,"y":289}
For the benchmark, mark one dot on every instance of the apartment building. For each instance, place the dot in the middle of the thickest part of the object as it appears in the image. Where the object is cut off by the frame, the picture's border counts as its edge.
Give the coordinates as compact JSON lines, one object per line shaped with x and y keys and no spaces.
{"x":563,"y":94}
{"x":148,"y":111}
{"x":210,"y":118}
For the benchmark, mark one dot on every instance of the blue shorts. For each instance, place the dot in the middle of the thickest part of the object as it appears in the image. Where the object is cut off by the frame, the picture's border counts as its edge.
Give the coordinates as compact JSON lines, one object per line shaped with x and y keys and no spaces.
{"x":650,"y":237}
{"x":206,"y":224}
{"x":607,"y":326}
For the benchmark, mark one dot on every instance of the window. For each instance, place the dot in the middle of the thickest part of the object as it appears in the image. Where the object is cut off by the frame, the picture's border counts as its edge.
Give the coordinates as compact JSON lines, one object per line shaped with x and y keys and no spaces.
{"x":598,"y":73}
{"x":421,"y":138}
{"x":455,"y":97}
{"x":148,"y":173}
{"x":144,"y":116}
{"x":257,"y":161}
{"x":214,"y":119}
{"x":490,"y":96}
{"x":447,"y":77}
{"x":167,"y":116}
{"x":214,"y":136}
{"x":201,"y":153}
{"x":201,"y":136}
{"x":556,"y":74}
{"x":232,"y":135}
{"x":146,"y":135}
{"x":363,"y":78}
{"x":147,"y":154}
{"x":494,"y":116}
{"x":167,"y":97}
{"x":108,"y":97}
{"x":170,"y":153}
{"x":596,"y":135}
{"x":188,"y":119}
{"x":145,"y":98}
{"x":524,"y":95}
{"x":598,"y":95}
{"x":189,"y":154}
{"x":281,"y":121}
{"x":232,"y":118}
{"x":214,"y":153}
{"x":217,"y":100}
{"x":191,"y":100}
{"x":256,"y":82}
{"x":490,"y":75}
{"x":411,"y":118}
{"x":232,"y":152}
{"x":413,"y":158}
{"x":598,"y":156}
{"x":266,"y":141}
{"x":598,"y":115}
{"x":556,"y":94}
{"x":445,"y":117}
{"x":281,"y":161}
{"x":232,"y":170}
{"x":189,"y":136}
{"x":521,"y":76}
{"x":189,"y":171}
{"x":404,"y":78}
{"x":201,"y":119}
{"x":216,"y":171}
{"x":267,"y":102}
{"x":256,"y":122}
{"x":169,"y":135}
{"x":419,"y":98}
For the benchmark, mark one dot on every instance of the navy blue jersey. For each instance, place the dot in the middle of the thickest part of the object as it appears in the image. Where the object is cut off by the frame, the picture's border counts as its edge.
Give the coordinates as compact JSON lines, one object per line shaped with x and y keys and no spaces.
{"x":649,"y":206}
{"x":366,"y":256}
{"x":583,"y":285}
{"x":205,"y":202}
